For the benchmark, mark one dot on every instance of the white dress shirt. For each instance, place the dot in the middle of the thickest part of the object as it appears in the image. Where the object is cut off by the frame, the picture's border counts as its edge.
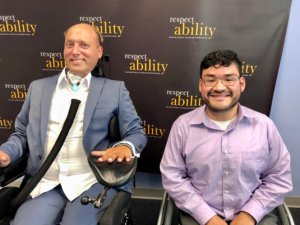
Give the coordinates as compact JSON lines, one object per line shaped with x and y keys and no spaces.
{"x":70,"y":168}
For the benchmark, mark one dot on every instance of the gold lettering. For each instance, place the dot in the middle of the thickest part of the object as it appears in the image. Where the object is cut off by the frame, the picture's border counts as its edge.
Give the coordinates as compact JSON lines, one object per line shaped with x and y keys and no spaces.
{"x":18,"y":26}
{"x":248,"y":69}
{"x":194,"y":29}
{"x":186,"y":101}
{"x":56,"y":64}
{"x":107,"y":28}
{"x":149,"y":65}
{"x":18,"y":94}
{"x":5,"y":123}
{"x":153,"y":131}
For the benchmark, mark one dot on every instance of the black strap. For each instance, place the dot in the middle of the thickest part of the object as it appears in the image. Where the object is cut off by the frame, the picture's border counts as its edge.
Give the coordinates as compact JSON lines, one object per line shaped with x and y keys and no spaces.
{"x":22,"y":196}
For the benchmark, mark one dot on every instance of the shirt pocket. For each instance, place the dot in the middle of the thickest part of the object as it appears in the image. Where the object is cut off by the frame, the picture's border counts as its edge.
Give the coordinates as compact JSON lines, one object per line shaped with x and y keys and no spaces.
{"x":254,"y":163}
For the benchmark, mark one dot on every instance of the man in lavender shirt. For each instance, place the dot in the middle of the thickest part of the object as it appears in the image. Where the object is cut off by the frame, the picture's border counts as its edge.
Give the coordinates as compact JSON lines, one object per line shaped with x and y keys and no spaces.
{"x":225,"y":163}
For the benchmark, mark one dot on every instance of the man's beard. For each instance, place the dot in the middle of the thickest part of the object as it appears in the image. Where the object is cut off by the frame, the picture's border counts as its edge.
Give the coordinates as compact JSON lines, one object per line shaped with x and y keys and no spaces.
{"x":212,"y":108}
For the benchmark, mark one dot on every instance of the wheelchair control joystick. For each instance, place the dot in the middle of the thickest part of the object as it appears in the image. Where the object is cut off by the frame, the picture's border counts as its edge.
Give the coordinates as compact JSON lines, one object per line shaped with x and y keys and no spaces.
{"x":98,"y":201}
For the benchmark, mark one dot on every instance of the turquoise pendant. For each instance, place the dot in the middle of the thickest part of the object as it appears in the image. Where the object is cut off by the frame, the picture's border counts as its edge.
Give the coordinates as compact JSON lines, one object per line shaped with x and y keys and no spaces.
{"x":74,"y":87}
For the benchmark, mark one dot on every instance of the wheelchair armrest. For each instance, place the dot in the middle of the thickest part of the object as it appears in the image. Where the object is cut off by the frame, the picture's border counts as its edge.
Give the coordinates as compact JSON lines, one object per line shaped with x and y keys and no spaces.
{"x":162,"y":211}
{"x":13,"y":171}
{"x":6,"y":195}
{"x":168,"y":213}
{"x":113,"y":174}
{"x":284,"y":215}
{"x":114,"y":213}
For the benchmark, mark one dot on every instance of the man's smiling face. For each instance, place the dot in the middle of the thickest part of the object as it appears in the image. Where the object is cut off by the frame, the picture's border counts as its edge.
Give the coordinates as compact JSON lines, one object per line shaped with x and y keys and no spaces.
{"x":82,"y":49}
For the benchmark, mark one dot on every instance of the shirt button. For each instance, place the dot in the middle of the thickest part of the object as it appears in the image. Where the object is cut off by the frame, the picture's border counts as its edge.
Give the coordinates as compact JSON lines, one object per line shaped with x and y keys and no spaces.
{"x":226,"y":191}
{"x":226,"y":172}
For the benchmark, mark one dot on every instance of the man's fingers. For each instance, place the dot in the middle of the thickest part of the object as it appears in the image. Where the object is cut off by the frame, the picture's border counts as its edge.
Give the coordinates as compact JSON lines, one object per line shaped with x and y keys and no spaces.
{"x":98,"y":153}
{"x":108,"y":158}
{"x":113,"y":154}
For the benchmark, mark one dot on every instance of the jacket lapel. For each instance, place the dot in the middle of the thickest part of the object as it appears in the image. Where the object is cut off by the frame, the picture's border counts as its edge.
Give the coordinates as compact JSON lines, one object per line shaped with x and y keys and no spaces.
{"x":95,"y":89}
{"x":45,"y":105}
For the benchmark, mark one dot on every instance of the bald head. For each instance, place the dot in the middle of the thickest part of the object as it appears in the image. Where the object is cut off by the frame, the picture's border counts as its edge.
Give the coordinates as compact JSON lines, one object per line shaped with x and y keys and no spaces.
{"x":97,"y":33}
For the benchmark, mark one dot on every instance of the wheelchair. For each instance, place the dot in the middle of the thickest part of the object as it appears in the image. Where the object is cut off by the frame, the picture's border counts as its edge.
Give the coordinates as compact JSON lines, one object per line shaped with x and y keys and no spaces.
{"x":169,"y":214}
{"x":110,"y":174}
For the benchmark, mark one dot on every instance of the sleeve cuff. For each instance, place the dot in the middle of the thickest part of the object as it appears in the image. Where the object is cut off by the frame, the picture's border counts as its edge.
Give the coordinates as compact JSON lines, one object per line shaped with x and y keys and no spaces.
{"x":255,"y":210}
{"x":205,"y":217}
{"x":130,"y":146}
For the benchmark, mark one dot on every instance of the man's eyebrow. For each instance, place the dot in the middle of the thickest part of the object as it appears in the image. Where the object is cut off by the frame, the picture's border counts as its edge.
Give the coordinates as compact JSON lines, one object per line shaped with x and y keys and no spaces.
{"x":230,"y":74}
{"x":226,"y":75}
{"x":210,"y":74}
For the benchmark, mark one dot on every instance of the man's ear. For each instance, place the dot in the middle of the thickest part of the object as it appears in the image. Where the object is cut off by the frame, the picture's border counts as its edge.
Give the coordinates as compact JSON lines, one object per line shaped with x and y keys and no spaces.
{"x":100,"y":53}
{"x":242,"y":83}
{"x":199,"y":85}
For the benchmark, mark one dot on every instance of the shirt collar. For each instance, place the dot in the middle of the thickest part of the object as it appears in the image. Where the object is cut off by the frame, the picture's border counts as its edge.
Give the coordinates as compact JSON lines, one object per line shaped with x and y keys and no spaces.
{"x":200,"y":116}
{"x":62,"y":80}
{"x":245,"y":113}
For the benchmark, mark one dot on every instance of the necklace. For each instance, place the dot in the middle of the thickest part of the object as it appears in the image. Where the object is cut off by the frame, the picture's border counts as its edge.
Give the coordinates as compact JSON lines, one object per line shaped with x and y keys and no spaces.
{"x":73,"y":80}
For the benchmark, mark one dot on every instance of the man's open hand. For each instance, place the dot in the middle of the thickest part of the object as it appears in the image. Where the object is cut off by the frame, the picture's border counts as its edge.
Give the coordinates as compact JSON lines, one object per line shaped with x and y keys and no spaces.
{"x":120,"y":153}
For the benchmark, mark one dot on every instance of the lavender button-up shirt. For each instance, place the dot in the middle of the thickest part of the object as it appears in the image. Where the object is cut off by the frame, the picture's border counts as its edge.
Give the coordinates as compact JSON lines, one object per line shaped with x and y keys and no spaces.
{"x":209,"y":171}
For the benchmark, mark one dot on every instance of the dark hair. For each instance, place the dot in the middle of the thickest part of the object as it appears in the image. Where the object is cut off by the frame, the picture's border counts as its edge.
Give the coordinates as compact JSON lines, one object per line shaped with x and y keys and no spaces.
{"x":220,"y":58}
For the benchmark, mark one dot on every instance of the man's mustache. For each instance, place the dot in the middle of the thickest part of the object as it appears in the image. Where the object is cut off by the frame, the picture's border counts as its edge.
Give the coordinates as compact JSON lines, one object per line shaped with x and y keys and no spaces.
{"x":217,"y":93}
